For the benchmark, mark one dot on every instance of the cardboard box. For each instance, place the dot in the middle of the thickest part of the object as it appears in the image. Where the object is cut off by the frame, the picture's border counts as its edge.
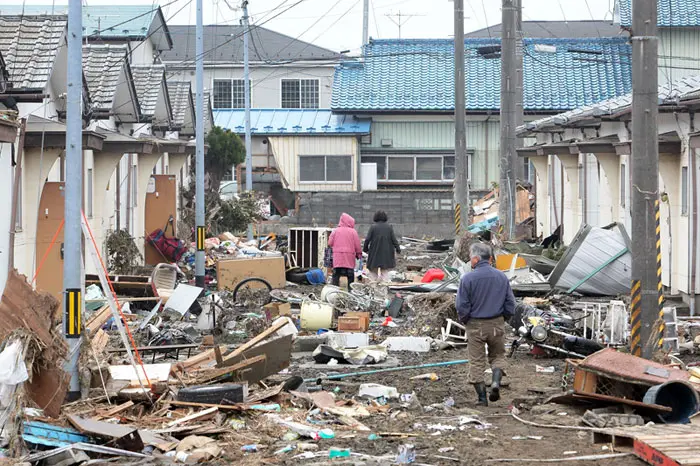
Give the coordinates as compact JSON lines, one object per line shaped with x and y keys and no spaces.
{"x":275,"y":310}
{"x":232,"y":271}
{"x":353,"y":322}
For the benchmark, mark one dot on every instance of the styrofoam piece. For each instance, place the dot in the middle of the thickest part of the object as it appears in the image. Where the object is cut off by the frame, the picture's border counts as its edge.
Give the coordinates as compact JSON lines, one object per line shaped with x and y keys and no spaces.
{"x":374,"y":390}
{"x":415,"y":344}
{"x":347,"y":340}
{"x":155,"y":372}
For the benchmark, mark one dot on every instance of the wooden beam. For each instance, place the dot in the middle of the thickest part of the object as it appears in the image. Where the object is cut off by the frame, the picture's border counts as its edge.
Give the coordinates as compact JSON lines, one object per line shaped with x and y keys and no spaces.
{"x":254,"y":341}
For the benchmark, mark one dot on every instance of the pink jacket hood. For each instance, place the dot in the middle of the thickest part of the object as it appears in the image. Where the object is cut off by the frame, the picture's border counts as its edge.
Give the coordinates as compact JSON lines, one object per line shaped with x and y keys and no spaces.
{"x":346,"y":221}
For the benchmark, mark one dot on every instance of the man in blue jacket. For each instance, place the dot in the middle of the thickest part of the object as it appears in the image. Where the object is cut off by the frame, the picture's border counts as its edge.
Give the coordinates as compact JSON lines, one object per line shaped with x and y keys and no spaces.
{"x":484,"y":303}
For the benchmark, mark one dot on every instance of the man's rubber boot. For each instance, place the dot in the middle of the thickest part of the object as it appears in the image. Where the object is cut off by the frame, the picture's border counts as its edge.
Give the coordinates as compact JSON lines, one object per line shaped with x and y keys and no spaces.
{"x":481,"y":393}
{"x":495,"y":394}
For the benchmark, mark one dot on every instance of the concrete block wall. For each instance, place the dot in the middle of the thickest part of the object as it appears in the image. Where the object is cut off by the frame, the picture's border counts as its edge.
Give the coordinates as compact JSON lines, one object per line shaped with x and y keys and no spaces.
{"x":411,"y":213}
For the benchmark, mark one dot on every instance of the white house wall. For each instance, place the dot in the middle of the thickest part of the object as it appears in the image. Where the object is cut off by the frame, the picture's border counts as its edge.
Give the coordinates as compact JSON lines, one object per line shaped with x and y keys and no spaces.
{"x":266,"y":81}
{"x":679,"y":51}
{"x":287,"y":150}
{"x":6,"y":182}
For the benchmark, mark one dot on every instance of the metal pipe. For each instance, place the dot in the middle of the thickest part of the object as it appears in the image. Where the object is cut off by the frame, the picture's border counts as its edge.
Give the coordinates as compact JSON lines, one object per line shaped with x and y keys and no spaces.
{"x":72,"y":295}
{"x":318,"y":380}
{"x":199,"y":150}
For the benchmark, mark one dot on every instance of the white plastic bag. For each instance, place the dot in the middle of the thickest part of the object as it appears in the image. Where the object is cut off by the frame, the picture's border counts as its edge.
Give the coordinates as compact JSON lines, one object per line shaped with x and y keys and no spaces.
{"x":13,"y":371}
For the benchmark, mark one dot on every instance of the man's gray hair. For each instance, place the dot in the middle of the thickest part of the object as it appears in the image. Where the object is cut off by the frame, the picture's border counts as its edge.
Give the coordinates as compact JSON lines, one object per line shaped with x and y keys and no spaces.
{"x":480,"y":250}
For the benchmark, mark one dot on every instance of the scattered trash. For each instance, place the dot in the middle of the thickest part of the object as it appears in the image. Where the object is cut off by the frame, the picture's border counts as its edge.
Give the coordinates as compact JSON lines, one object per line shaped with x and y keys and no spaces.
{"x":544,"y":370}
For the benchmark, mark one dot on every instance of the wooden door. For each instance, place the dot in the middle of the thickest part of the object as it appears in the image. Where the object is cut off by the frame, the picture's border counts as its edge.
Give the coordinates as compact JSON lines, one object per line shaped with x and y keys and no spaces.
{"x":51,"y":211}
{"x":161,"y":204}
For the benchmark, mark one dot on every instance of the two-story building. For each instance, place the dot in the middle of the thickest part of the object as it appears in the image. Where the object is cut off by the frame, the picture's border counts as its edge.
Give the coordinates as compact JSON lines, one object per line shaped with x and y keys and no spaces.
{"x":134,"y":151}
{"x":583,"y":157}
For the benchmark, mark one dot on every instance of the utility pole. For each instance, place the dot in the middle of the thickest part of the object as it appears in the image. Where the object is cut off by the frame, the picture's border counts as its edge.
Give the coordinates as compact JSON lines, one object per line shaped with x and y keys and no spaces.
{"x":508,"y":120}
{"x":519,"y":112}
{"x":199,"y":150}
{"x":365,"y":23}
{"x":246,"y":87}
{"x":461,"y":182}
{"x":72,"y":254}
{"x":646,"y":267}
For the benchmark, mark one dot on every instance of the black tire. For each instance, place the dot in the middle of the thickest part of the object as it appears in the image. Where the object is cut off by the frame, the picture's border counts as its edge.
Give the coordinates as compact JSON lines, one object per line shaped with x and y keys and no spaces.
{"x":297,"y":276}
{"x":252,"y":280}
{"x":213,"y":394}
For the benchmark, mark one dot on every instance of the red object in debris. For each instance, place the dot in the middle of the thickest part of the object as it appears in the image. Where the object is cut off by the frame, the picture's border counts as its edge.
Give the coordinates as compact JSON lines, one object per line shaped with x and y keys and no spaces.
{"x":432,"y":275}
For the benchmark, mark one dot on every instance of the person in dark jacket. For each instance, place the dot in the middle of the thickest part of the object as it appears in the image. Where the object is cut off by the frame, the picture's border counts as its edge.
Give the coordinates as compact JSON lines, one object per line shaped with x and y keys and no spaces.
{"x":380,"y":245}
{"x":484,"y":303}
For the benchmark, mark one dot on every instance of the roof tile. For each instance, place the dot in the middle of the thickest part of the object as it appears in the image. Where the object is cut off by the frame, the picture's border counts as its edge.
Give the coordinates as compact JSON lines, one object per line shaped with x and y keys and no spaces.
{"x":29,"y":46}
{"x":418,"y":74}
{"x":148,"y":81}
{"x":102,"y":67}
{"x":671,"y":13}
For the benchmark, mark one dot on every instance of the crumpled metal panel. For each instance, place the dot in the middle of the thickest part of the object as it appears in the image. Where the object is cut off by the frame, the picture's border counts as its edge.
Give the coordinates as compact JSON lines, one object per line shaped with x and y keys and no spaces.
{"x":591,"y":248}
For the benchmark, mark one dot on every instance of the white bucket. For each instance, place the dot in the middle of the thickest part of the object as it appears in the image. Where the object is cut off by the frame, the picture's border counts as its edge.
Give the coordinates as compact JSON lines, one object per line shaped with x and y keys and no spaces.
{"x":316,"y":315}
{"x":329,"y":295}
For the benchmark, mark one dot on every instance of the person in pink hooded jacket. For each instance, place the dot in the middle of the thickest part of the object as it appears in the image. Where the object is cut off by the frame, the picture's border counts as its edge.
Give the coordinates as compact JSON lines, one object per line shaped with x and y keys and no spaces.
{"x":345,"y":243}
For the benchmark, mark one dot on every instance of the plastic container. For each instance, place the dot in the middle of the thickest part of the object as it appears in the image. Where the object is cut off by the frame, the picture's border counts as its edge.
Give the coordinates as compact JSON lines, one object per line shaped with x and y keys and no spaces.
{"x":407,"y":454}
{"x":328,"y":292}
{"x":339,"y":453}
{"x":316,"y":315}
{"x":432,"y":275}
{"x":680,"y":396}
{"x":249,"y":448}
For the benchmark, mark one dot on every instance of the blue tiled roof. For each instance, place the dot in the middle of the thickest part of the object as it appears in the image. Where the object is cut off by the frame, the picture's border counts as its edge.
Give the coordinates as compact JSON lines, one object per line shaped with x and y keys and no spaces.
{"x":671,"y":13}
{"x":418,"y":75}
{"x":103,"y":20}
{"x":271,"y":121}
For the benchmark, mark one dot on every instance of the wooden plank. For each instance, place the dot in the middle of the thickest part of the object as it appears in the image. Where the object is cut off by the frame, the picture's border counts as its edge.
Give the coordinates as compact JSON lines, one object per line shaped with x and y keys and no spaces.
{"x":277,"y":354}
{"x":206,"y":376}
{"x":254,"y":341}
{"x":199,"y":360}
{"x":207,"y":405}
{"x":99,"y":341}
{"x":98,"y":319}
{"x":116,"y":410}
{"x":230,"y":272}
{"x":201,"y":416}
{"x":111,"y":431}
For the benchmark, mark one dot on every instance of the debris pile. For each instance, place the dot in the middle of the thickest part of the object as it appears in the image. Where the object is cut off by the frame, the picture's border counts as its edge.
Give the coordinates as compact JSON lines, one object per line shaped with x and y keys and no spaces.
{"x":270,"y":368}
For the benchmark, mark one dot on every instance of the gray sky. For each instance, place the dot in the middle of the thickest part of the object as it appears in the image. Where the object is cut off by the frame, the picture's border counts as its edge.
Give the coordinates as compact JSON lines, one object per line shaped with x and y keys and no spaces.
{"x":337,"y":24}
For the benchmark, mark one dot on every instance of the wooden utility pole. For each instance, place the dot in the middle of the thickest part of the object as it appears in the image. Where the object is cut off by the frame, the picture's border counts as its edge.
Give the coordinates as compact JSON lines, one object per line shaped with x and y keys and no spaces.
{"x":647,"y":297}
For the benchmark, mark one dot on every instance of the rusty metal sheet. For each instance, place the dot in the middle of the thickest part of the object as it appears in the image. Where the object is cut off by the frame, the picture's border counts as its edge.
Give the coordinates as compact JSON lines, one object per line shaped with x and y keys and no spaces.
{"x":632,"y":368}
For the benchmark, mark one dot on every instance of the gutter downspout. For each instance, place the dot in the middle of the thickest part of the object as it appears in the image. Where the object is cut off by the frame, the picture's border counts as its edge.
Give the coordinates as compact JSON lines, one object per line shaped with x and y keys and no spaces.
{"x":19,"y":154}
{"x":486,"y":146}
{"x":693,"y":224}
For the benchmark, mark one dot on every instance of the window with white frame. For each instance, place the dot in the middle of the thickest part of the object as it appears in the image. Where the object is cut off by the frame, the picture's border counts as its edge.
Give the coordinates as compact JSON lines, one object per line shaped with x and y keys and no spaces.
{"x":420,"y":167}
{"x":325,"y":168}
{"x":300,"y":93}
{"x":230,"y":93}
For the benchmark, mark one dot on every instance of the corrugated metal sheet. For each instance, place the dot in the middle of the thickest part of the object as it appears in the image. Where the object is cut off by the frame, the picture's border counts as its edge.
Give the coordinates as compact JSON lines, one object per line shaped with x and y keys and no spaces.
{"x":678,"y":53}
{"x":482,"y":138}
{"x":287,"y":150}
{"x":590,"y":249}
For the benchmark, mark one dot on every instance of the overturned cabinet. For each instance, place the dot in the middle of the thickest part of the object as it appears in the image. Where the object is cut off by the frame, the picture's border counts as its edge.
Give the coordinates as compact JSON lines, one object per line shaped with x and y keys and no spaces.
{"x":307,"y":246}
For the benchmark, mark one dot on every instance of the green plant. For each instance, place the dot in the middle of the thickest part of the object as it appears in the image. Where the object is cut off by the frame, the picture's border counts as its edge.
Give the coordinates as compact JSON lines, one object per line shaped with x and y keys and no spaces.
{"x":123,"y":257}
{"x":225,"y":150}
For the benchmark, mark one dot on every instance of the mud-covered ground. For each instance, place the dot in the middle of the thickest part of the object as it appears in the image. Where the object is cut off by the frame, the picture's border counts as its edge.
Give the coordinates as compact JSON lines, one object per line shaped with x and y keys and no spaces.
{"x":470,"y":446}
